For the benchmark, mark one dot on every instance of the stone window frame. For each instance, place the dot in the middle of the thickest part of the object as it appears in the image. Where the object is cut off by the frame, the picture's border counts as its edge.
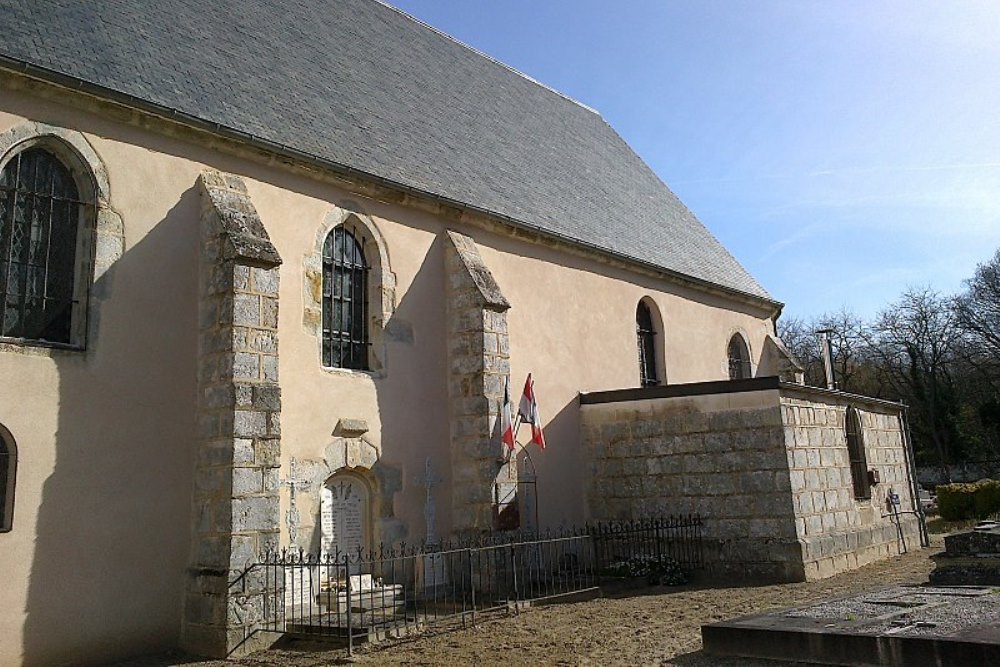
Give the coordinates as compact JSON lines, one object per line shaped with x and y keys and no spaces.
{"x":746,"y":365}
{"x":650,"y":345}
{"x":8,"y":479}
{"x":381,"y":288}
{"x":101,"y":237}
{"x":856,"y":455}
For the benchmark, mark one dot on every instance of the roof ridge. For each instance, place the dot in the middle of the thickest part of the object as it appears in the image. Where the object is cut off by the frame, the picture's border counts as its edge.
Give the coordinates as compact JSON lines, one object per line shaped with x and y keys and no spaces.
{"x":487,"y":56}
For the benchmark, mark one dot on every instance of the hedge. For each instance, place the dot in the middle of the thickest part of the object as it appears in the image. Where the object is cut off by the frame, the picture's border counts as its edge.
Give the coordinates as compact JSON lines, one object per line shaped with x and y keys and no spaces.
{"x":977,"y":500}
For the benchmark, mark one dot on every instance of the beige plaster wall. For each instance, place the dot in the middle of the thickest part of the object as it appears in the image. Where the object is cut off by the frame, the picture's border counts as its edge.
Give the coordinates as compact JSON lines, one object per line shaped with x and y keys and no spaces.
{"x":93,"y":566}
{"x":102,"y":522}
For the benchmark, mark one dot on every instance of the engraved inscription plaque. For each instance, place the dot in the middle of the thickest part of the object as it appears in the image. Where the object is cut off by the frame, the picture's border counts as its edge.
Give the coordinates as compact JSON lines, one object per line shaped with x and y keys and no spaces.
{"x":344,"y":519}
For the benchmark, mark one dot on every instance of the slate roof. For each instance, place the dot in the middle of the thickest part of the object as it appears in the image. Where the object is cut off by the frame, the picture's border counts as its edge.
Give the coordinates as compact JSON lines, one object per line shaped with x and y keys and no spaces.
{"x":359,"y":84}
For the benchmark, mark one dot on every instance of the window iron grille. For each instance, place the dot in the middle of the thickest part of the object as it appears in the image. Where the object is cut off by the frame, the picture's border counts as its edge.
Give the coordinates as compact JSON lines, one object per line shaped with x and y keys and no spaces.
{"x":40,"y":211}
{"x":856,"y":454}
{"x":646,"y":341}
{"x":739,"y":359}
{"x":345,"y":300}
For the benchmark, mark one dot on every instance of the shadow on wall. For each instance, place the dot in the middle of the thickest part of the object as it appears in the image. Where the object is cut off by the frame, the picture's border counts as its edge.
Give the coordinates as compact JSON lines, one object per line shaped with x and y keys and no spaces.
{"x":111,"y":547}
{"x":412,"y":399}
{"x":413,"y":403}
{"x":560,"y":467}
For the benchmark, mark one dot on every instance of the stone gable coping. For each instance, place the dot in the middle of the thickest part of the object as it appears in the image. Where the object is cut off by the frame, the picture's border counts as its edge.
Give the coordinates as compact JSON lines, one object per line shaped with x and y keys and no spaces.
{"x":488,"y":290}
{"x":246,"y":240}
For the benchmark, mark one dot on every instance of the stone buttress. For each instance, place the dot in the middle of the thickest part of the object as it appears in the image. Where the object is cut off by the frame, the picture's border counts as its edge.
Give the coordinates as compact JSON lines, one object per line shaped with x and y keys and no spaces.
{"x":478,"y":364}
{"x":239,"y":406}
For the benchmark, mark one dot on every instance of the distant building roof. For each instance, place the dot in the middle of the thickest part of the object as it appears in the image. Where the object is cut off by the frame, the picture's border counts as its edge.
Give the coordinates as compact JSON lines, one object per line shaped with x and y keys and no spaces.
{"x":360,"y":85}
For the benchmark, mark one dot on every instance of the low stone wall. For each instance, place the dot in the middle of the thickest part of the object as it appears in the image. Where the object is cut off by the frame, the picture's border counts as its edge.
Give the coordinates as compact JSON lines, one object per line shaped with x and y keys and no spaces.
{"x":766,"y":465}
{"x":720,"y":455}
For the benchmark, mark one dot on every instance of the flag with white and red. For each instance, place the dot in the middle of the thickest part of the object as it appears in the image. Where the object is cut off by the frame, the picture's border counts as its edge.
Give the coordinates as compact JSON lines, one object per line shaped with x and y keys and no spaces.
{"x":528,"y":409}
{"x":506,"y":420}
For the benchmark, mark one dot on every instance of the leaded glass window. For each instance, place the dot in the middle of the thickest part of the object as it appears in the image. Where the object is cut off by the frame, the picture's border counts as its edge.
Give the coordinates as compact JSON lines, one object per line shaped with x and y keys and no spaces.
{"x":40,"y":212}
{"x":345,"y":300}
{"x":739,"y":359}
{"x":856,"y":453}
{"x":646,"y":341}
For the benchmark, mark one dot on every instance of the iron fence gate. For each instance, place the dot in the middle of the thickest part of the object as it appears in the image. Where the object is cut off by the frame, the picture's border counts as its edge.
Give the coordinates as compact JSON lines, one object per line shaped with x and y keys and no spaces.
{"x":394,"y":591}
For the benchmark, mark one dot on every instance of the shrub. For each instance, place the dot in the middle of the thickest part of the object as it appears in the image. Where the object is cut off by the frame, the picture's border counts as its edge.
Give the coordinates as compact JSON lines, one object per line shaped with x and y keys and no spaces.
{"x":969,"y":501}
{"x":987,"y":498}
{"x":664,"y":571}
{"x":956,"y":501}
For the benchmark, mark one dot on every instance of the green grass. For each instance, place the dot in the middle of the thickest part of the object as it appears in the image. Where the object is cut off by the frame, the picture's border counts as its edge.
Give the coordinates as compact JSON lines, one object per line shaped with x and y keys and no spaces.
{"x":938,"y":526}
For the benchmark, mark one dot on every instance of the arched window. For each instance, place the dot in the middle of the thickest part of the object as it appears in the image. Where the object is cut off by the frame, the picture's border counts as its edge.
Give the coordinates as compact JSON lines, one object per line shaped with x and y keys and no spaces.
{"x":739,"y":359}
{"x":40,"y":215}
{"x":345,"y":300}
{"x":8,"y":468}
{"x":646,"y":341}
{"x":856,"y":453}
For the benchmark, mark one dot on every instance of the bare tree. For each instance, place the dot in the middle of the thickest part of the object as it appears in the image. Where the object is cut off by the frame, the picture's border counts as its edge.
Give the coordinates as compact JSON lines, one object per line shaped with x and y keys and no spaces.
{"x":798,"y":337}
{"x":977,"y":312}
{"x":916,"y":341}
{"x":849,"y":345}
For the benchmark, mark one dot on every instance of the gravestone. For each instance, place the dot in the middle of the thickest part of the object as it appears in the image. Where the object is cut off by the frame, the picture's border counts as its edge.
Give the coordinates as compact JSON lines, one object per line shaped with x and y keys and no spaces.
{"x":299,"y":588}
{"x":345,"y":511}
{"x":971,"y":558}
{"x":432,"y":575}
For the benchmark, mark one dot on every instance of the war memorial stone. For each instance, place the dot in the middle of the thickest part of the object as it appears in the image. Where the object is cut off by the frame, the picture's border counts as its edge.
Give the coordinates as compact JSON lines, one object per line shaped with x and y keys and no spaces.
{"x":343,"y":516}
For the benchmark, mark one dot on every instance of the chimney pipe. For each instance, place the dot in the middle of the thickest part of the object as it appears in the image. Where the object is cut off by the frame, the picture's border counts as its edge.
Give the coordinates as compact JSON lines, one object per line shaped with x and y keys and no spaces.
{"x":826,"y":348}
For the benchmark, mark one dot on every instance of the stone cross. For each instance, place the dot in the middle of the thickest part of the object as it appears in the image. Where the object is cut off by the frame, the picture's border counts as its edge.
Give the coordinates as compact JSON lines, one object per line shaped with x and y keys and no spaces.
{"x":294,"y":483}
{"x":429,"y":481}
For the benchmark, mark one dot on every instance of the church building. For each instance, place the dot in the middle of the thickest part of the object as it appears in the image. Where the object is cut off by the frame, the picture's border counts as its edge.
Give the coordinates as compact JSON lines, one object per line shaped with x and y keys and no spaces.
{"x":266,"y":271}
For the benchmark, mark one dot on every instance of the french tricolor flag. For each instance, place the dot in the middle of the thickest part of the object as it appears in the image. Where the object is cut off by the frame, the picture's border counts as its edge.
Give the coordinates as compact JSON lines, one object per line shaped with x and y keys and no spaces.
{"x":506,"y":421}
{"x":528,"y":409}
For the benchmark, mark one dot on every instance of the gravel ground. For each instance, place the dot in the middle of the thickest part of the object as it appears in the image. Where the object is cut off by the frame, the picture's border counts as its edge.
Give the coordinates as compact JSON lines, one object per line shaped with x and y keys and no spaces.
{"x":650,"y":626}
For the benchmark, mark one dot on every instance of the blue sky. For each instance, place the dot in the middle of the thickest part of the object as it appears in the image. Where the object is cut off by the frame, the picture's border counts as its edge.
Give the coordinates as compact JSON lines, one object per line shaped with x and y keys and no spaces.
{"x":842,"y":151}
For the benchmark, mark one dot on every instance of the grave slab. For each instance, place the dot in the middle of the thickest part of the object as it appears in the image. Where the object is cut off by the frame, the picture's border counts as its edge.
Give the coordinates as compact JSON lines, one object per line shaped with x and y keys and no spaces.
{"x":903,"y":625}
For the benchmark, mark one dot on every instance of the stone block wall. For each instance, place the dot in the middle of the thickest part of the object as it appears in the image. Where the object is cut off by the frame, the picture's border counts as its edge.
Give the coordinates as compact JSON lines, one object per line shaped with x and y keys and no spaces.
{"x":721,"y":456}
{"x":766,"y":465}
{"x":239,"y":427}
{"x":837,"y":531}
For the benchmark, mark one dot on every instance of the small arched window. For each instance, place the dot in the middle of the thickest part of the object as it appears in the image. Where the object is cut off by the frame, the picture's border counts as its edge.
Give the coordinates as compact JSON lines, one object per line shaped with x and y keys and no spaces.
{"x":646,"y":341}
{"x":739,"y":359}
{"x":856,"y":454}
{"x":40,"y":214}
{"x":8,"y":469}
{"x":345,"y":300}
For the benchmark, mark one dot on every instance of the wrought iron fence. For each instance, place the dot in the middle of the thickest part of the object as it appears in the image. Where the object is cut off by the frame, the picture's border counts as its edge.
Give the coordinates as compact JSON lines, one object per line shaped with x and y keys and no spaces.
{"x":394,"y":591}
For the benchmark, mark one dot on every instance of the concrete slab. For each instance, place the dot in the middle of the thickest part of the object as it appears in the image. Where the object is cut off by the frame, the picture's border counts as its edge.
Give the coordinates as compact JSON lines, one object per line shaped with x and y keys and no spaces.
{"x":908,"y":626}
